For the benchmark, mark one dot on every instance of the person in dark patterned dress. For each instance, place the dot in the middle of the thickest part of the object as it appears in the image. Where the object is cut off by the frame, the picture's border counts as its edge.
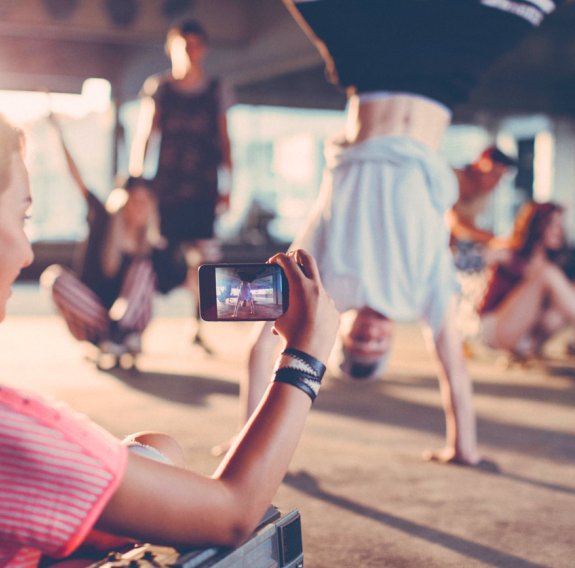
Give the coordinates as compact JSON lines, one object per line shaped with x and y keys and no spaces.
{"x":186,"y":109}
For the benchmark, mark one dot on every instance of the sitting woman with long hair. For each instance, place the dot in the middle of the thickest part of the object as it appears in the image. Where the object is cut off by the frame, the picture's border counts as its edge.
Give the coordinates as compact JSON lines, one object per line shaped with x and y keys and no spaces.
{"x":528,"y":297}
{"x":107,"y":299}
{"x":63,"y":475}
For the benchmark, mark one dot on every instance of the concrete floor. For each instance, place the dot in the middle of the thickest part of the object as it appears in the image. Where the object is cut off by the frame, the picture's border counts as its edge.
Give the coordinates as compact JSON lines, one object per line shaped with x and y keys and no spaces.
{"x":365,"y":496}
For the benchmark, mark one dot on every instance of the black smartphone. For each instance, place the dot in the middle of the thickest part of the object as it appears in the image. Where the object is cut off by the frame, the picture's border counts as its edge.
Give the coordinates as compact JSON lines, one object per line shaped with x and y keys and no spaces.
{"x":242,"y":292}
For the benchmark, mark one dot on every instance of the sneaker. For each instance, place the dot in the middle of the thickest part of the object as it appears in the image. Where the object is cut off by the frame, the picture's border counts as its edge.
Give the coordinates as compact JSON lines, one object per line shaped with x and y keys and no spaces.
{"x":132,"y":343}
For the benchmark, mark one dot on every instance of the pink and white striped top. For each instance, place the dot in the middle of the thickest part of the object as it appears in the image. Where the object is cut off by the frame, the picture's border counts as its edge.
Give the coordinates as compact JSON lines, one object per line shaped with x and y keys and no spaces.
{"x":57,"y":472}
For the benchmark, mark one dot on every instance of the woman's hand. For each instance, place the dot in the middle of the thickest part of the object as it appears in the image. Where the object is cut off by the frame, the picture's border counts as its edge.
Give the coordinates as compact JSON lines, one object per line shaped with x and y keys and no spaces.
{"x":311,"y":321}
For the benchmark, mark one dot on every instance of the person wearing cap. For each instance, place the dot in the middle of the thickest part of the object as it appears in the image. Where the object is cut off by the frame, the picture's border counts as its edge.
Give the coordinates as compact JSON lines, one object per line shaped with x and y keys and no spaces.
{"x":378,"y":228}
{"x":476,"y":182}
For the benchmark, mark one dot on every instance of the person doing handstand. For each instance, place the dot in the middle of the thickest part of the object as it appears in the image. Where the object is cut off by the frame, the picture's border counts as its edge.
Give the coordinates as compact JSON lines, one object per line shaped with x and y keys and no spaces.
{"x":245,"y":297}
{"x":378,"y":229}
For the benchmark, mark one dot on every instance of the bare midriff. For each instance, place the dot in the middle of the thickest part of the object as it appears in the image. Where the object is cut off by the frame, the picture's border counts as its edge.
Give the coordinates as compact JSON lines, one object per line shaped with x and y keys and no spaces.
{"x":406,"y":115}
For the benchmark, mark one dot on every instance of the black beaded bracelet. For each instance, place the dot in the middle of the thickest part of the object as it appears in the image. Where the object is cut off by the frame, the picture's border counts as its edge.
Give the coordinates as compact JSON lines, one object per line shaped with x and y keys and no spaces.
{"x":313,"y":365}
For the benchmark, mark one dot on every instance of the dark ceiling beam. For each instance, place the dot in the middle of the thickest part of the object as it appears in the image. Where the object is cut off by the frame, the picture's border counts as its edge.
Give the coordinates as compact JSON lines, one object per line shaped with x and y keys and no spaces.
{"x":91,"y":21}
{"x":258,"y":47}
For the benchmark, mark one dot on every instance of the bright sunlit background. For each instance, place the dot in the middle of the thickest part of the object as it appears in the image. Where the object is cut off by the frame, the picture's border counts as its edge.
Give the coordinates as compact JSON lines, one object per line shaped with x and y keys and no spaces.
{"x":277,"y":156}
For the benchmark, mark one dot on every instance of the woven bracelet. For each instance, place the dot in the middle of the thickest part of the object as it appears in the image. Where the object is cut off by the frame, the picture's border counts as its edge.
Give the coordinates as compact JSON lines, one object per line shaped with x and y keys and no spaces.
{"x":306,"y":383}
{"x":306,"y":362}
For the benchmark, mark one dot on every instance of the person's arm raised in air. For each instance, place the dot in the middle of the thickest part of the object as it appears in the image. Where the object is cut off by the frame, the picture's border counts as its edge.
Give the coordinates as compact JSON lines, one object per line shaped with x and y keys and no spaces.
{"x":72,"y":167}
{"x":165,"y":504}
{"x":146,"y":128}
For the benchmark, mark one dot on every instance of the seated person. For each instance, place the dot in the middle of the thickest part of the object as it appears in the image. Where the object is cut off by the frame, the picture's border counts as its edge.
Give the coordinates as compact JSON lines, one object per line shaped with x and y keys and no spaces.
{"x":528,"y":297}
{"x":62,"y":475}
{"x":107,"y":301}
{"x":472,"y":244}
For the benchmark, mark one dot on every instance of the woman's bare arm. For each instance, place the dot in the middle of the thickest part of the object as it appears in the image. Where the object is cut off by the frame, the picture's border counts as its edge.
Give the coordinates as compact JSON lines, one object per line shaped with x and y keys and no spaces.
{"x":159,"y":503}
{"x":72,"y":166}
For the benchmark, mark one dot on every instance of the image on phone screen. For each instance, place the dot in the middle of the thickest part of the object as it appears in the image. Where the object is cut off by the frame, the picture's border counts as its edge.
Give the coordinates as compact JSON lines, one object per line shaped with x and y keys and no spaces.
{"x":242,"y":292}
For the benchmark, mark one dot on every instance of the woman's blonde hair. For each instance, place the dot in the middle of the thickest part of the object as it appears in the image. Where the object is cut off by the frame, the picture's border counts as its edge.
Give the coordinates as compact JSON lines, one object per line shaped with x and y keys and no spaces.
{"x":11,"y":140}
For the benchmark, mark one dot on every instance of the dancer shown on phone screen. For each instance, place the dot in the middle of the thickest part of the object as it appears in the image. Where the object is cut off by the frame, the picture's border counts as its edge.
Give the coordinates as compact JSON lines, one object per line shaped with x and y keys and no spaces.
{"x":245,"y":298}
{"x":378,"y":228}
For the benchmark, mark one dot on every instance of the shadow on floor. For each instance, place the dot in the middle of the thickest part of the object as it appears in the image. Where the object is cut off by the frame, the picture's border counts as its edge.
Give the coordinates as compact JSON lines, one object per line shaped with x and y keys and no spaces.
{"x":372,"y":403}
{"x":309,"y":485}
{"x":185,"y":389}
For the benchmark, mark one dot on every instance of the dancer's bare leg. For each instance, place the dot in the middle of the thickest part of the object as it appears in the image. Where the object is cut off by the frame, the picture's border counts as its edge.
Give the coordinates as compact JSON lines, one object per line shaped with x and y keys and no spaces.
{"x":551,"y":322}
{"x":456,"y":395}
{"x":515,"y":321}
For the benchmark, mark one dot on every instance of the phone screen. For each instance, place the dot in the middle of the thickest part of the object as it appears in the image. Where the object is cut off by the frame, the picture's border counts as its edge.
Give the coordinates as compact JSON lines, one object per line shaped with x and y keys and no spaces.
{"x":242,"y":292}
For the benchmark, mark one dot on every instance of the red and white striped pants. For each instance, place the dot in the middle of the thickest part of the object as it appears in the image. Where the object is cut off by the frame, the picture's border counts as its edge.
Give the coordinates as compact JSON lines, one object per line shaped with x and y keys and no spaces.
{"x":85,"y":314}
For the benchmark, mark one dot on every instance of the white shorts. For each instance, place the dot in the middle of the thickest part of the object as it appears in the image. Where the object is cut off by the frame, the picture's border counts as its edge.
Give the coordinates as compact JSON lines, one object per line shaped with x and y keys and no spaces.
{"x":378,"y":230}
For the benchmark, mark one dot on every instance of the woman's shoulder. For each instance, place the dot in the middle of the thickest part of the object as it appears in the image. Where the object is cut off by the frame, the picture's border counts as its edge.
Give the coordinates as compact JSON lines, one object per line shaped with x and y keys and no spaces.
{"x":59,"y":419}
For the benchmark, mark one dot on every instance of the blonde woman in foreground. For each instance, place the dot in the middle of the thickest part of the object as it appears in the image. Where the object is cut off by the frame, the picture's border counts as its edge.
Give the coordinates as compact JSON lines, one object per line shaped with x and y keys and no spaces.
{"x":63,"y":475}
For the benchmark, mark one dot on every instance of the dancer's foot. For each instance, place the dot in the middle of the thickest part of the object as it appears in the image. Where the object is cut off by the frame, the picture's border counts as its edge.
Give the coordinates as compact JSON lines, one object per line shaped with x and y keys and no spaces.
{"x":449,"y":456}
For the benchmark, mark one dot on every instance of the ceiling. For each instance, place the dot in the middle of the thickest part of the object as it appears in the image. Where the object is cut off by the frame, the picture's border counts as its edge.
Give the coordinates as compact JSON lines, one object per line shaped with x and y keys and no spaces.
{"x":56,"y":44}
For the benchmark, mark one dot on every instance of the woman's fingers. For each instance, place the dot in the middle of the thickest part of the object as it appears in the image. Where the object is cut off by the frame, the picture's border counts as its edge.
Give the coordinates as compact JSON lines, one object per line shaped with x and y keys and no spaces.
{"x":304,"y":261}
{"x":289,"y":265}
{"x":308,"y":264}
